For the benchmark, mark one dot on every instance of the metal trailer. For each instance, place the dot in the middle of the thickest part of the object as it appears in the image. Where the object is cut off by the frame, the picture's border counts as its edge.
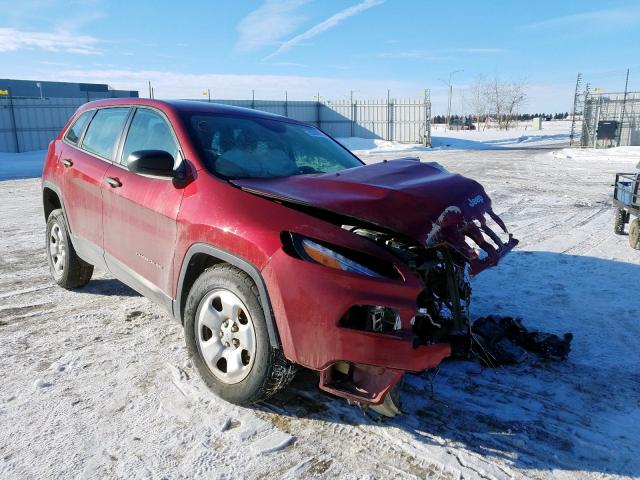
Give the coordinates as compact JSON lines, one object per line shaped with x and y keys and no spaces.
{"x":626,"y":197}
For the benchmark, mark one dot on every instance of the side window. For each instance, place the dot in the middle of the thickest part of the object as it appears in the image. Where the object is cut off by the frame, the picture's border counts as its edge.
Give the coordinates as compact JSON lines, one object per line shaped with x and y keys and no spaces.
{"x":104,"y":130}
{"x":74,"y":133}
{"x":149,"y":131}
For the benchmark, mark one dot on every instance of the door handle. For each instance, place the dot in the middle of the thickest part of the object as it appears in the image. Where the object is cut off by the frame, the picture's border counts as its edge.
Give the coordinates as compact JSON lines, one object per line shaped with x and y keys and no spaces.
{"x":113,"y":182}
{"x":67,"y":162}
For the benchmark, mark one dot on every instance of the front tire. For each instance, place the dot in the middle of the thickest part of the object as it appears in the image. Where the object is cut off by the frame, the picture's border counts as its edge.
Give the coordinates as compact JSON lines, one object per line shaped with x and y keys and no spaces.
{"x":620,"y":220}
{"x":634,"y":234}
{"x":67,"y":268}
{"x":226,"y":335}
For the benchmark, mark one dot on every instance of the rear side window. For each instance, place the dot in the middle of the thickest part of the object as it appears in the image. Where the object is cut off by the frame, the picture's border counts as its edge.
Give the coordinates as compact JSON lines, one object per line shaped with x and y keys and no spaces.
{"x":74,"y":133}
{"x":149,"y":131}
{"x":104,"y":130}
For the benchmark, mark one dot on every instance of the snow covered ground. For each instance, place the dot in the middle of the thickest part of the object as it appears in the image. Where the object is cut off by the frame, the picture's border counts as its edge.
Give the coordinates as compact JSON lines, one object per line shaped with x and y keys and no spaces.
{"x":96,"y":383}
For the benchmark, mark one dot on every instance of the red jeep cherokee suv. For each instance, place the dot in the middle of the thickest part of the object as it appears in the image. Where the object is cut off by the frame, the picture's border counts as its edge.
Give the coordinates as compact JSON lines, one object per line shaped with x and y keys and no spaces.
{"x":271,"y":243}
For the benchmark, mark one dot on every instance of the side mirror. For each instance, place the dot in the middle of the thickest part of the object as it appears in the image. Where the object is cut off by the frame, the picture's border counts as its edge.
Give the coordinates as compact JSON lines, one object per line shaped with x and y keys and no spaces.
{"x":152,"y":162}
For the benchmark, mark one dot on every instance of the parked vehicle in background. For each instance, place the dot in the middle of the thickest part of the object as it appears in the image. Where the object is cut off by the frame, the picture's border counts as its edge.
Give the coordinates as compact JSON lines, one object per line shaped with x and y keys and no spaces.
{"x":626,"y":197}
{"x":271,"y":243}
{"x":461,"y":124}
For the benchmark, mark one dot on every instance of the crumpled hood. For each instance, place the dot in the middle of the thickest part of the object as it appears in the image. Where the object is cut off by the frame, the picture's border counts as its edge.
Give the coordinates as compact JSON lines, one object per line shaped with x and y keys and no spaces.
{"x":414,"y":199}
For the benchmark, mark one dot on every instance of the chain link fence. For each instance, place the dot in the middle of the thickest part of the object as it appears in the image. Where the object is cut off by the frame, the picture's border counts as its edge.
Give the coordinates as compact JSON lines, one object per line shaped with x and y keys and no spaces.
{"x":610,"y":120}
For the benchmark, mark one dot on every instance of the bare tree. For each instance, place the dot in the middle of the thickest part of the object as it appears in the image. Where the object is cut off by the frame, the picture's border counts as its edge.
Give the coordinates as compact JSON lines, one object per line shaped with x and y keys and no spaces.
{"x":502,"y":98}
{"x":514,"y":98}
{"x":479,"y":101}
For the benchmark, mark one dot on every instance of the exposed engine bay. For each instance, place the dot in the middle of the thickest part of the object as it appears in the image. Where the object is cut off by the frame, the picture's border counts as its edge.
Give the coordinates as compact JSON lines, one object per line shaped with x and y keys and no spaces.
{"x":443,"y":306}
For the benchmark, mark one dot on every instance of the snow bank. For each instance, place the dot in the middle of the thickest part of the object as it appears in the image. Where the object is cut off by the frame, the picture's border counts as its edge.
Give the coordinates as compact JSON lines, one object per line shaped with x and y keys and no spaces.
{"x":21,"y":165}
{"x":630,"y":154}
{"x":373,"y":145}
{"x":491,"y":139}
{"x":553,"y":133}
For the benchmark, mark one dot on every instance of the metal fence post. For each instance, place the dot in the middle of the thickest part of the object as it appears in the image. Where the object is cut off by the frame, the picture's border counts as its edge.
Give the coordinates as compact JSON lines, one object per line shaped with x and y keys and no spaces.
{"x":595,"y":130}
{"x":388,"y":117}
{"x":286,"y":104}
{"x":353,"y":114}
{"x":354,"y":123}
{"x":425,"y":139}
{"x":13,"y":123}
{"x":624,"y":107}
{"x":318,"y":117}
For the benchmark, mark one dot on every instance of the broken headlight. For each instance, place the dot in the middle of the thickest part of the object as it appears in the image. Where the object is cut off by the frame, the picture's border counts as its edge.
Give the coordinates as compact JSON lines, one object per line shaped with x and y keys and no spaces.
{"x":340,"y":258}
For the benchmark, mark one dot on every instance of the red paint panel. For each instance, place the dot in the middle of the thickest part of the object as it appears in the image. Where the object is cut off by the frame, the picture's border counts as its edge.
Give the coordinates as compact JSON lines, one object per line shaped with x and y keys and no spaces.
{"x":139,"y":222}
{"x":82,"y":186}
{"x":309,"y":301}
{"x":404,"y":196}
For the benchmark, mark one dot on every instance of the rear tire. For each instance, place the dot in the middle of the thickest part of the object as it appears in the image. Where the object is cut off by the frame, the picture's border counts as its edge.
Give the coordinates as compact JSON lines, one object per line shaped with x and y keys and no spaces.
{"x":67,"y":268}
{"x":619,"y":221}
{"x":634,"y":234}
{"x":226,"y":335}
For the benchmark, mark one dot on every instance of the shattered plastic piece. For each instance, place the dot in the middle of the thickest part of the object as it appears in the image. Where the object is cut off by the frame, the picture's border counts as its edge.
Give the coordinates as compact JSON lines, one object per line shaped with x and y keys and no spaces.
{"x":547,"y":345}
{"x":505,"y":340}
{"x":494,"y":347}
{"x":511,"y":352}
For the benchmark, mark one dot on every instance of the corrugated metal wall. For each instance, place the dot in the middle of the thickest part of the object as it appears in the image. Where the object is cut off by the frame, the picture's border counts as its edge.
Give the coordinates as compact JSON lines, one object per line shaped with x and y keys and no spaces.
{"x":31,"y":123}
{"x":401,"y":120}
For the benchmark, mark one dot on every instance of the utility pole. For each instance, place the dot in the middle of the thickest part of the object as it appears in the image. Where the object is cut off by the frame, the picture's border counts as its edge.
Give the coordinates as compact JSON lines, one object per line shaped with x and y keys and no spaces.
{"x":624,"y":105}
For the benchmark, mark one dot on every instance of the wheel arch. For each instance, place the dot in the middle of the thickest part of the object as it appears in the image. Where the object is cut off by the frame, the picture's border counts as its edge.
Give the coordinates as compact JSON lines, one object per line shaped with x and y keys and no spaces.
{"x":52,"y":199}
{"x":201,"y":256}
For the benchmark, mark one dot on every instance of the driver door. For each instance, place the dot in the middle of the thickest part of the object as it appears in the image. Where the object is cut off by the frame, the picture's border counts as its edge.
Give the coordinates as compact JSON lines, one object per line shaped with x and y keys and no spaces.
{"x":140,"y":211}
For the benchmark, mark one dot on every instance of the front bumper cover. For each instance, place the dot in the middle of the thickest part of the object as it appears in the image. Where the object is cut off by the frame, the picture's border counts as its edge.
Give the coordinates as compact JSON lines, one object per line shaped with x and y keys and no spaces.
{"x":309,"y":300}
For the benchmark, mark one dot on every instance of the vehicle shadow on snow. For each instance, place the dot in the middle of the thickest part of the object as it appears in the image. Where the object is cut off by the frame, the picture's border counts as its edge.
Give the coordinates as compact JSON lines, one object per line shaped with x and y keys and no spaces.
{"x":108,"y":287}
{"x":577,"y":415}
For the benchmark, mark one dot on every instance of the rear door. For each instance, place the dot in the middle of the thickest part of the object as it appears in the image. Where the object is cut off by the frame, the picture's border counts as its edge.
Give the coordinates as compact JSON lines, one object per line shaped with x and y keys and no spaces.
{"x":86,"y":156}
{"x":140,"y":211}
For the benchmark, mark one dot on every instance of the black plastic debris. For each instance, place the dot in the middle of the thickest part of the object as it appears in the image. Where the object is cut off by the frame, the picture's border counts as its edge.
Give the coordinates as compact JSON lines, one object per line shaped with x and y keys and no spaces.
{"x":505,"y":341}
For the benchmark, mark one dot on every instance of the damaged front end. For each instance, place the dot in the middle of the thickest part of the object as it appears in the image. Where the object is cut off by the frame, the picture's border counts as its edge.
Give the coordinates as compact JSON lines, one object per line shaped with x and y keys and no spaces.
{"x":442,"y":315}
{"x":443,"y":305}
{"x":440,"y":230}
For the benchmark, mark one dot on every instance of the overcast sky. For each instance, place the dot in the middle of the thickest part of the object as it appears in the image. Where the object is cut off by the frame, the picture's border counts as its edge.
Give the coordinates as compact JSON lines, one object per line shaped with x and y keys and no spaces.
{"x":331,"y":47}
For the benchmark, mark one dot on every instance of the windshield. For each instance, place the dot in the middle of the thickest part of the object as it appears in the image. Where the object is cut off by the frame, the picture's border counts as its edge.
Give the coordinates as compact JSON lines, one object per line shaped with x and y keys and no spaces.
{"x":242,"y":147}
